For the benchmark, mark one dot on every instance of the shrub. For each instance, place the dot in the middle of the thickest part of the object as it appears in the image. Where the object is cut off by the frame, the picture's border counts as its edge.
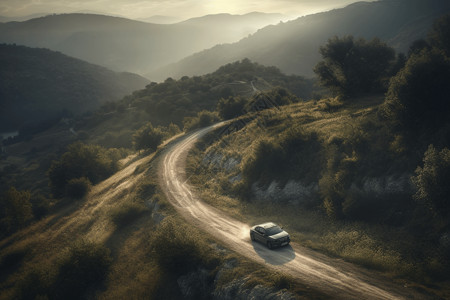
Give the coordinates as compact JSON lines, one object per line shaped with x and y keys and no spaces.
{"x":231,"y":107}
{"x":80,"y":271}
{"x":127,"y":213}
{"x":78,"y":187}
{"x":432,"y":181}
{"x":203,"y":119}
{"x":92,"y":162}
{"x":16,"y":209}
{"x":418,"y":95}
{"x":84,"y":268}
{"x":147,"y":137}
{"x":179,"y":248}
{"x":353,"y":66}
{"x":289,"y":157}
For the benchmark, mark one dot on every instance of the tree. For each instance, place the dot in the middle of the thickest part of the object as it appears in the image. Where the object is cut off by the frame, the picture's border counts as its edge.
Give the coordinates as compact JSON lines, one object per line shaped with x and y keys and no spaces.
{"x":17,"y":210}
{"x":232,"y":107}
{"x":419,"y":95}
{"x":147,"y":137}
{"x":439,"y":36}
{"x":432,"y":181}
{"x":351,"y":67}
{"x":92,"y":162}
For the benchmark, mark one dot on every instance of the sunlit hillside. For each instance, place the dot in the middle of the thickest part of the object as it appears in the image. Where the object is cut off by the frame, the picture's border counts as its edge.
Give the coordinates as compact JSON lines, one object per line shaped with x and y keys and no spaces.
{"x":293,"y":46}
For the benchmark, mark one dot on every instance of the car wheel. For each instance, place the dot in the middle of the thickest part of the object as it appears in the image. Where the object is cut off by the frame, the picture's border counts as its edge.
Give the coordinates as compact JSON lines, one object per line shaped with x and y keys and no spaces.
{"x":269,"y":245}
{"x":252,"y":236}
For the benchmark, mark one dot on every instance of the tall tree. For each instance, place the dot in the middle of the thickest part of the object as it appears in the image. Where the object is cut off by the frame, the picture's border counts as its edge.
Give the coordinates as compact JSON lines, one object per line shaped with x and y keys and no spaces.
{"x":354,"y":66}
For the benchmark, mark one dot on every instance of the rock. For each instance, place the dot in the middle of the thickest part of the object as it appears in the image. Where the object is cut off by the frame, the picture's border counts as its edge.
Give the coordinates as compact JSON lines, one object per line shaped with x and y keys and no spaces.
{"x":195,"y":285}
{"x":294,"y":192}
{"x":238,"y":290}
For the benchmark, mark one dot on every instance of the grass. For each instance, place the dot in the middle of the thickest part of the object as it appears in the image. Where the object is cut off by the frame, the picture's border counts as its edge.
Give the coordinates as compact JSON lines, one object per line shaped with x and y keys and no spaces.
{"x":389,"y":249}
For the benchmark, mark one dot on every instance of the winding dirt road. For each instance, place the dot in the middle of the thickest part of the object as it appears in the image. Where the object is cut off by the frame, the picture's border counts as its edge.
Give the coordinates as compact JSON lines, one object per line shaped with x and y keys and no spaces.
{"x":334,"y":277}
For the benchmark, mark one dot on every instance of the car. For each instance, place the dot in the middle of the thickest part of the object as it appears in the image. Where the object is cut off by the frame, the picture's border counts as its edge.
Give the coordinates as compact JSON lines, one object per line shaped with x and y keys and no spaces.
{"x":270,"y":234}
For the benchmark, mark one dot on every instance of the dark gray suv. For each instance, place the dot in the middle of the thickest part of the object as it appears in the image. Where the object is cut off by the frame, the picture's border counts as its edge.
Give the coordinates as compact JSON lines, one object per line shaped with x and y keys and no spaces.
{"x":270,"y":234}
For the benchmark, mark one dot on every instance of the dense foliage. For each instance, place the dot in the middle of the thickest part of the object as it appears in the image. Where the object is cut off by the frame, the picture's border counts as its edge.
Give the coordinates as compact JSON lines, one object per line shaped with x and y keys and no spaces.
{"x":77,"y":275}
{"x":432,"y":182}
{"x":94,"y":163}
{"x":351,"y":67}
{"x":15,"y":210}
{"x":174,"y":100}
{"x":147,"y":137}
{"x":39,"y":84}
{"x":417,"y":101}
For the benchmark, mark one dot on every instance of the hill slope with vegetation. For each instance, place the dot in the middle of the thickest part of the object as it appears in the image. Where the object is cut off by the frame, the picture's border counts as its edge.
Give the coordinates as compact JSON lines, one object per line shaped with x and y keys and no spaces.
{"x":362,"y":176}
{"x":293,"y":46}
{"x":39,"y":84}
{"x":127,"y":45}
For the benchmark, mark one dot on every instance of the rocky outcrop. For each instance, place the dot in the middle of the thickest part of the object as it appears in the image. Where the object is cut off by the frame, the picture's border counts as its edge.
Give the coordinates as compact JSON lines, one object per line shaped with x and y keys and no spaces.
{"x":293,"y":192}
{"x":239,"y":290}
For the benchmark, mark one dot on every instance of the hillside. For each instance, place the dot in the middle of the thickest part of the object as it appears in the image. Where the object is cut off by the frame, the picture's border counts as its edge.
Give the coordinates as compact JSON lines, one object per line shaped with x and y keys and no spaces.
{"x":127,"y":45}
{"x":293,"y":46}
{"x":39,"y":84}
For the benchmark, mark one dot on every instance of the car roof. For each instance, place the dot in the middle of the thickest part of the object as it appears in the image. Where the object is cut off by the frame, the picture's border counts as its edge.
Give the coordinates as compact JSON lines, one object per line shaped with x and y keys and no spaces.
{"x":267,"y":225}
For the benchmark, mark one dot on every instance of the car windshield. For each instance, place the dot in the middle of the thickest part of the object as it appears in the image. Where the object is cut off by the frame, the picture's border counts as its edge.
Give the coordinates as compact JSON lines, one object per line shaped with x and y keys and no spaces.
{"x":273,"y":230}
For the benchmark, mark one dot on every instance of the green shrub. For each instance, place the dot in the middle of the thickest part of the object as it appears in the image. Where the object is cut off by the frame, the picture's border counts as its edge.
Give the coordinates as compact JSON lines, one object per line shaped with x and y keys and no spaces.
{"x":288,"y":157}
{"x":354,"y":66}
{"x":78,"y":187}
{"x":418,"y":95}
{"x":127,"y":213}
{"x":432,"y":181}
{"x":147,"y":137}
{"x":179,"y":247}
{"x":82,"y":269}
{"x":203,"y":119}
{"x":231,"y":107}
{"x":93,"y":162}
{"x":16,"y":209}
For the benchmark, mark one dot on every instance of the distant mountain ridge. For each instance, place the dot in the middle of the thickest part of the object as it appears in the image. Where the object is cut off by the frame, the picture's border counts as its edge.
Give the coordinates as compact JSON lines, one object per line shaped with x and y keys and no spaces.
{"x":293,"y":46}
{"x":37,"y":84}
{"x":122,"y":44}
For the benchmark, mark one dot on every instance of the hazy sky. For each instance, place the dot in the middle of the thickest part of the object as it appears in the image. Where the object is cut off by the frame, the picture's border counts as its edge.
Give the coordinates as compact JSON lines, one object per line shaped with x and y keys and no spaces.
{"x":181,"y":9}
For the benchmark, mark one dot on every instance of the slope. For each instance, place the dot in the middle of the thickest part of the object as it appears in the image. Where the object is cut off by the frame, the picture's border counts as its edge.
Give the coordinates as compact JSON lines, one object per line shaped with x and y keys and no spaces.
{"x":128,"y":45}
{"x":293,"y":46}
{"x":38,"y":84}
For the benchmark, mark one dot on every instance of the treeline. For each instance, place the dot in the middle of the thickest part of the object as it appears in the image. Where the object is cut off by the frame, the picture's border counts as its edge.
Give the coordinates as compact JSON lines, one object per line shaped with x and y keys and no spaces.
{"x":174,"y":100}
{"x":408,"y":135}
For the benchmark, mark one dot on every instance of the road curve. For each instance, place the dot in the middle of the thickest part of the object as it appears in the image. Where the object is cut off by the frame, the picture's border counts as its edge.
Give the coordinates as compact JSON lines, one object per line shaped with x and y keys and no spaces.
{"x":334,"y":277}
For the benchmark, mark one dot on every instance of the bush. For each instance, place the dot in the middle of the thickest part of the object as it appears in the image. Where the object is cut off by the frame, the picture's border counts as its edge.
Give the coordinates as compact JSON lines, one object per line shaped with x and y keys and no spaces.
{"x":179,"y":248}
{"x":432,"y":181}
{"x":80,"y":272}
{"x":127,"y":213}
{"x":92,"y":162}
{"x":203,"y":119}
{"x":16,"y":209}
{"x":351,"y":67}
{"x":232,"y":107}
{"x":85,"y":267}
{"x":289,"y":157}
{"x":418,"y":96}
{"x":78,"y":187}
{"x":147,"y":137}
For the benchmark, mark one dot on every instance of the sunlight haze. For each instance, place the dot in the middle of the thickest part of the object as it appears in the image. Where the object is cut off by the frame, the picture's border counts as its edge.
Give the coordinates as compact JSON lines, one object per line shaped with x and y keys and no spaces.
{"x":181,"y":9}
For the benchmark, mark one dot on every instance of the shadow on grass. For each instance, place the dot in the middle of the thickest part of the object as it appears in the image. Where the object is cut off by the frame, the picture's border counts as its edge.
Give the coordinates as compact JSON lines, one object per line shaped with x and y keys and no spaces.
{"x":277,"y":256}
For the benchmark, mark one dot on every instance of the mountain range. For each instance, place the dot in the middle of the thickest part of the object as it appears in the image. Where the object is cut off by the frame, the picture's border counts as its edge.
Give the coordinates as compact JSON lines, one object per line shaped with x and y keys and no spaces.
{"x":294,"y":46}
{"x":127,"y":45}
{"x":38,"y":84}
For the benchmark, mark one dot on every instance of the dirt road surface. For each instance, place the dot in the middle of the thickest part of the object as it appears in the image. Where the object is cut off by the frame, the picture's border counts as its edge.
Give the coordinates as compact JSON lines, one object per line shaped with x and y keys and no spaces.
{"x":334,"y":277}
